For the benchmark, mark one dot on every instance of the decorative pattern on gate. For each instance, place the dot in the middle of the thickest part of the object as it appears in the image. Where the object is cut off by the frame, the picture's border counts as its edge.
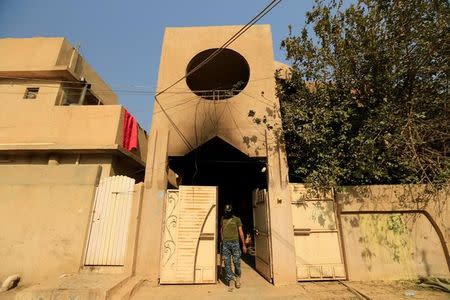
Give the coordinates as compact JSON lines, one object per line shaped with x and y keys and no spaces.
{"x":170,"y":225}
{"x":189,"y":237}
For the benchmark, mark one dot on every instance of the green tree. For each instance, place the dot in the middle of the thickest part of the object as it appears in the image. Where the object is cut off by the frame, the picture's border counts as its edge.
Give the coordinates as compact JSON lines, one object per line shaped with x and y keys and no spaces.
{"x":368,"y":98}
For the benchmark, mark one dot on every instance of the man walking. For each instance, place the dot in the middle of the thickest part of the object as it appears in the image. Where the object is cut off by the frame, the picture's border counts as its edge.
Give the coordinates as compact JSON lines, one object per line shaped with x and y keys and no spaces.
{"x":231,"y":231}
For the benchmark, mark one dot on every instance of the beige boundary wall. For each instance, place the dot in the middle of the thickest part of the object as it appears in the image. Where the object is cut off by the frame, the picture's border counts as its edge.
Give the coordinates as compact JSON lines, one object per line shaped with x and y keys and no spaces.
{"x":394,"y":231}
{"x":45,"y":214}
{"x":44,"y":218}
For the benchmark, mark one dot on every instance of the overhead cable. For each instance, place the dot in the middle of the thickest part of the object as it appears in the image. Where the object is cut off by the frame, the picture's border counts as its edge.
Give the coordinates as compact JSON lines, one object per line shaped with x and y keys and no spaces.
{"x":261,"y":14}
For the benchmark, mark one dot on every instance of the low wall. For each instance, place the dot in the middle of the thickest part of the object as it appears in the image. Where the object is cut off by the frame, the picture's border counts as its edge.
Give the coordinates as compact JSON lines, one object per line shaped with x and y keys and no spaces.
{"x":394,"y":231}
{"x":44,"y":218}
{"x":79,"y":127}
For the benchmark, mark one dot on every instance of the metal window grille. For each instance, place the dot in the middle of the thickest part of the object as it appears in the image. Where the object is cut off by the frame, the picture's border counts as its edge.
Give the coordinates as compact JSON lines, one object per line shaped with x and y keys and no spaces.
{"x":31,"y":93}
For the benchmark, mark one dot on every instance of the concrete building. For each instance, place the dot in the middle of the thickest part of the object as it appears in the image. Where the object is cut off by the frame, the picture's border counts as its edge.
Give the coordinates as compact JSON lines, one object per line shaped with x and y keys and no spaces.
{"x":41,"y":84}
{"x":216,"y":143}
{"x":215,"y":139}
{"x":61,"y":134}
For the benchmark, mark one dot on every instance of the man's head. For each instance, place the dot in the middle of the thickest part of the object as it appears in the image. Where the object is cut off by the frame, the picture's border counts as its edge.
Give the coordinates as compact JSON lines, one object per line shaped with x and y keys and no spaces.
{"x":228,"y":209}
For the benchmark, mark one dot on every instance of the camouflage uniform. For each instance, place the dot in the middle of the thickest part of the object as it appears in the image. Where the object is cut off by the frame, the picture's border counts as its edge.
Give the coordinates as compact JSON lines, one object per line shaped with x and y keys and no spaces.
{"x":231,"y":249}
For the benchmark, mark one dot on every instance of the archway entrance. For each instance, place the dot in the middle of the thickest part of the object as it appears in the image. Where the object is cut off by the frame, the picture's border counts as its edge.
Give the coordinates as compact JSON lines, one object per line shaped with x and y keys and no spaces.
{"x":237,"y":176}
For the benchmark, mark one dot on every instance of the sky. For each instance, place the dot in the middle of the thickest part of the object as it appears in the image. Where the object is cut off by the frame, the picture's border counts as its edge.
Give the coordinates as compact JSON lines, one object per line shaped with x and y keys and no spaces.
{"x":122,"y":40}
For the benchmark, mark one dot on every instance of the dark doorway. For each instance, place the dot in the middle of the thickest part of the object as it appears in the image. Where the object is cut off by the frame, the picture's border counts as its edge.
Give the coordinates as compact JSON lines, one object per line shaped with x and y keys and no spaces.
{"x":217,"y":163}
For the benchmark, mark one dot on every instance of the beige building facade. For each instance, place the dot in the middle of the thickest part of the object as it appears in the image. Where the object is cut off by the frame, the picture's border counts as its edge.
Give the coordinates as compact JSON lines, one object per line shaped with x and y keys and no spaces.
{"x":42,"y":121}
{"x":56,"y":146}
{"x":215,"y":139}
{"x":212,"y":115}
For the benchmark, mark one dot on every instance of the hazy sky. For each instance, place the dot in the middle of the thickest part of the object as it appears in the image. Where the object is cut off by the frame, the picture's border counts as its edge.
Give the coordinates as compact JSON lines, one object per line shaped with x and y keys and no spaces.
{"x":122,"y":40}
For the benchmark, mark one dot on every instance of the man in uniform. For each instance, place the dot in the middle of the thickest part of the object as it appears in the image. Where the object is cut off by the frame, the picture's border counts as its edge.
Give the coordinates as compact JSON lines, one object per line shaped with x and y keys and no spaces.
{"x":231,"y":231}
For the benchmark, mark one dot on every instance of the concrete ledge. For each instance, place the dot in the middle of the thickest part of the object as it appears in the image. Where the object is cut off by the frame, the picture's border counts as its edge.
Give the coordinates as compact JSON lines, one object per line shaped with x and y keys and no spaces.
{"x":52,"y":148}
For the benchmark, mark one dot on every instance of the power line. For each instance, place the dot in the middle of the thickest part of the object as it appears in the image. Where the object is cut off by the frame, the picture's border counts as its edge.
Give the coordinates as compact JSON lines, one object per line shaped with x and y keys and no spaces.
{"x":261,"y":14}
{"x":41,"y":79}
{"x":136,"y":90}
{"x":241,"y":31}
{"x":234,"y":121}
{"x":182,"y":102}
{"x":262,"y":101}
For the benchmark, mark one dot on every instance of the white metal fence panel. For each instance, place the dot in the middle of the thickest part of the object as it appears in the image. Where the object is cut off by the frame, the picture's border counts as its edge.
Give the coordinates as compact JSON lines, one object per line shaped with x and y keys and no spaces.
{"x":108,"y":234}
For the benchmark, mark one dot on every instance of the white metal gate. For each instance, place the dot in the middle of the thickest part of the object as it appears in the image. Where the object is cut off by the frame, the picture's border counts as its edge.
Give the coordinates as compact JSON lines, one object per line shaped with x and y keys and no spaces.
{"x":188,"y":248}
{"x":316,"y":234}
{"x":108,"y":234}
{"x":263,"y":247}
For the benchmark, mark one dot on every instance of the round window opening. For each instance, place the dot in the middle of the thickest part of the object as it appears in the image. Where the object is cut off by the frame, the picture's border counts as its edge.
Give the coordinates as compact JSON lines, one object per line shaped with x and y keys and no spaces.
{"x":223,"y":77}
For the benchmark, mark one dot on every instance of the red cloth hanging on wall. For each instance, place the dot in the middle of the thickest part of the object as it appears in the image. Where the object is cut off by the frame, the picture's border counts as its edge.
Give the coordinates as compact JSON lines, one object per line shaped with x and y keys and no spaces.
{"x":130,"y":132}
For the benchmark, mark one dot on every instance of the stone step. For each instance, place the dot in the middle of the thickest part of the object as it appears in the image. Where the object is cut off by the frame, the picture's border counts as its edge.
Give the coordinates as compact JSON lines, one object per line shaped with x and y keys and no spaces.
{"x":76,"y":286}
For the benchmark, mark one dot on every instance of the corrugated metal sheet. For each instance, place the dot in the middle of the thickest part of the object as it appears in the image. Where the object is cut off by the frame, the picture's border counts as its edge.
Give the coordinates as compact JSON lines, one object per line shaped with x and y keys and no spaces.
{"x":190,"y":236}
{"x":110,"y":222}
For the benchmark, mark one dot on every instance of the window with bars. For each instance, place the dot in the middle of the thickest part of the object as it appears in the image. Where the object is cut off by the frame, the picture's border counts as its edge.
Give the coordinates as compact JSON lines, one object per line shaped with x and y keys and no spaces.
{"x":31,"y":93}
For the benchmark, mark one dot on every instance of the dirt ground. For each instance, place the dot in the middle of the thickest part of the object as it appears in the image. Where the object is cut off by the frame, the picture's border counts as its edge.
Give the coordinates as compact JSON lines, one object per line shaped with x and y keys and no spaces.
{"x":255,"y":287}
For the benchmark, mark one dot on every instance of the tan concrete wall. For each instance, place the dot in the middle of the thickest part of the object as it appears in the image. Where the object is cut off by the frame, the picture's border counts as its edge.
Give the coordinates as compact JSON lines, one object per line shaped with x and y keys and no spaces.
{"x":394,"y":232}
{"x":130,"y":264}
{"x":44,"y":216}
{"x":29,"y":53}
{"x":12,"y":94}
{"x":198,"y":118}
{"x":39,"y":127}
{"x":65,"y":126}
{"x":103,"y":160}
{"x":155,"y":185}
{"x":112,"y":164}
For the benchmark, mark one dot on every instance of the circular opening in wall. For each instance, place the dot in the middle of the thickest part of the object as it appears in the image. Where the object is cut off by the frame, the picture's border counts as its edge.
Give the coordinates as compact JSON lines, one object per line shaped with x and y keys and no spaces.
{"x":223,"y":77}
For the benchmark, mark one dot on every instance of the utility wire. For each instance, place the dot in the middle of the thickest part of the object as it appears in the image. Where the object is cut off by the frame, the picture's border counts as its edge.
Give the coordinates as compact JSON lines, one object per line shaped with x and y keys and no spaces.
{"x":241,"y":31}
{"x":182,"y":102}
{"x":184,"y":91}
{"x":235,"y":123}
{"x":134,"y":88}
{"x":261,"y":14}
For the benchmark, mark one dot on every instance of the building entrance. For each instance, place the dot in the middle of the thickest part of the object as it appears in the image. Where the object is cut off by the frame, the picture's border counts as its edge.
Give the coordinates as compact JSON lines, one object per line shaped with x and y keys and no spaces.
{"x":237,"y":177}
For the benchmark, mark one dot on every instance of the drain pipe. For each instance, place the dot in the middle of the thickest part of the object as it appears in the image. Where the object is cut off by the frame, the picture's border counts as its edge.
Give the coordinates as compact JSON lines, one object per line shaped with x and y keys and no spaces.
{"x":84,"y":91}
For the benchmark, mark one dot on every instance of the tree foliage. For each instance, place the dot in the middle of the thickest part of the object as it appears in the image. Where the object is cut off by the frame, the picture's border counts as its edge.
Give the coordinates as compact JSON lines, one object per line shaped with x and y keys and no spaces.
{"x":368,"y":98}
